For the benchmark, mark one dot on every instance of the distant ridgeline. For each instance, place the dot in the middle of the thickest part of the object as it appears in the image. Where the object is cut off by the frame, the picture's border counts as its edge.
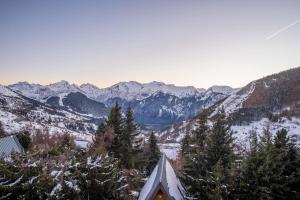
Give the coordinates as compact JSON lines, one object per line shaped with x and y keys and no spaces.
{"x":155,"y":105}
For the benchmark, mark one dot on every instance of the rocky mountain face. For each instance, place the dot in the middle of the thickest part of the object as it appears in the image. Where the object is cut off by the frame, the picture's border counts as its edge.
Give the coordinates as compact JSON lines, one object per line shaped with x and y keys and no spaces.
{"x":155,"y":105}
{"x":79,"y":103}
{"x":273,"y":101}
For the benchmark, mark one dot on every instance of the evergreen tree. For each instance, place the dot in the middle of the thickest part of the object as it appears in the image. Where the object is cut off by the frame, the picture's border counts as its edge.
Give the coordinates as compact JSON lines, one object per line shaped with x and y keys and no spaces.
{"x":194,"y":170}
{"x":99,"y":134}
{"x":130,"y":144}
{"x":220,"y":142}
{"x":273,"y":170}
{"x":100,"y":129}
{"x":67,"y":142}
{"x":265,"y":170}
{"x":22,"y":180}
{"x":249,"y":174}
{"x":219,"y":189}
{"x":101,"y":178}
{"x":266,"y":138}
{"x":153,"y":153}
{"x":219,"y":157}
{"x":185,"y":145}
{"x":285,"y":174}
{"x":201,"y":131}
{"x":89,"y":177}
{"x":2,"y":133}
{"x":24,"y":139}
{"x":116,"y":122}
{"x":253,"y":141}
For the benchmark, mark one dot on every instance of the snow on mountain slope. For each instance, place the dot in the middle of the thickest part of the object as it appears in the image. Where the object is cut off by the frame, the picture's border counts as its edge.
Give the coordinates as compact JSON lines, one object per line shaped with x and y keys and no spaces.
{"x":64,"y":87}
{"x":221,"y":89}
{"x":137,"y":91}
{"x":292,"y":125}
{"x":7,"y":92}
{"x":155,"y":104}
{"x":272,"y":101}
{"x":125,"y":90}
{"x":41,"y":93}
{"x":171,"y":138}
{"x":34,"y":91}
{"x":236,"y":99}
{"x":20,"y":113}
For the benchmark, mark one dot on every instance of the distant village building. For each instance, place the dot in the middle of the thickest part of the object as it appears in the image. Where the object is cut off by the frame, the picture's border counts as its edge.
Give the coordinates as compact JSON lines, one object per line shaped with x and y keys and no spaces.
{"x":9,"y":145}
{"x":163,"y":183}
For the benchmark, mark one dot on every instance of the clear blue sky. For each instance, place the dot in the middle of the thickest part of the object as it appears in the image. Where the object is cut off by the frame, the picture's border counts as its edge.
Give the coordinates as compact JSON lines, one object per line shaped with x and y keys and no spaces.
{"x":198,"y":43}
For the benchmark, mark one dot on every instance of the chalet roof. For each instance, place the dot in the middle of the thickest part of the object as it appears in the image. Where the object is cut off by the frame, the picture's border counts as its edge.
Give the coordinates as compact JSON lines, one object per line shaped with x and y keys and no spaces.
{"x":163,"y":178}
{"x":10,"y":144}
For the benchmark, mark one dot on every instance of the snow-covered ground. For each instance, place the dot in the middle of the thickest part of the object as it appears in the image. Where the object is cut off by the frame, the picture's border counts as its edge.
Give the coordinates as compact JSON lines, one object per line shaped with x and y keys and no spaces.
{"x":235,"y":100}
{"x":6,"y":92}
{"x":18,"y":114}
{"x":170,"y":149}
{"x":241,"y":133}
{"x":12,"y":124}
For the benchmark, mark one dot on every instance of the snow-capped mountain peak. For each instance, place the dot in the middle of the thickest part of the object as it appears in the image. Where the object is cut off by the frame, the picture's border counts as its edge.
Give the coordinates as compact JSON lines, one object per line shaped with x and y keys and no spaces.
{"x":130,"y":90}
{"x":221,"y":89}
{"x":135,"y":90}
{"x":63,"y":87}
{"x":40,"y":92}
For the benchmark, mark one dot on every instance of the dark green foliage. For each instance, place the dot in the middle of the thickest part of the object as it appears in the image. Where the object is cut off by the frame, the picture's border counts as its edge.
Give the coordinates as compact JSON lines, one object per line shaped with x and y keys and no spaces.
{"x":201,"y":131}
{"x":116,"y":122}
{"x":219,"y":158}
{"x":24,"y":139}
{"x":153,"y":153}
{"x":100,"y":129}
{"x":130,"y":145}
{"x":81,"y":177}
{"x":67,"y":142}
{"x":220,"y":143}
{"x":206,"y":169}
{"x":2,"y":133}
{"x":125,"y":144}
{"x":272,"y":171}
{"x":98,"y":177}
{"x":185,"y":145}
{"x":21,"y":180}
{"x":98,"y":139}
{"x":194,"y":167}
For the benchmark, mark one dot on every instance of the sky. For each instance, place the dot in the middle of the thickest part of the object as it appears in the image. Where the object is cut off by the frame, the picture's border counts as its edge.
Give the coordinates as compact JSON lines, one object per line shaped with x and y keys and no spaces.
{"x":199,"y":43}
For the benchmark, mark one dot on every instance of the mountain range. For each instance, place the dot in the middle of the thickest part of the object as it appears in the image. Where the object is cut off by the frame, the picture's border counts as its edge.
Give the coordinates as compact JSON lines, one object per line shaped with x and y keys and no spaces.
{"x":155,"y":105}
{"x":272,"y":101}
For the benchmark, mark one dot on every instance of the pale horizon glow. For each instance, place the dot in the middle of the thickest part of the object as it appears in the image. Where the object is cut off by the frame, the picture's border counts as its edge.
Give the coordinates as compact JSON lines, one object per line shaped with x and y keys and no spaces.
{"x":185,"y":43}
{"x":102,"y":86}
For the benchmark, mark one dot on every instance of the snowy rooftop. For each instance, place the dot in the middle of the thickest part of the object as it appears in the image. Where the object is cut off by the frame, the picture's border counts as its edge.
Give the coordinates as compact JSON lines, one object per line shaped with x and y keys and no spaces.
{"x":163,"y":178}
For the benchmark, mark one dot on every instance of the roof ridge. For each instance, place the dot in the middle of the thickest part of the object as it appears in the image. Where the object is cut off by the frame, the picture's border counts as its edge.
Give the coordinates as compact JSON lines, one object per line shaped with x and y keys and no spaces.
{"x":162,"y":166}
